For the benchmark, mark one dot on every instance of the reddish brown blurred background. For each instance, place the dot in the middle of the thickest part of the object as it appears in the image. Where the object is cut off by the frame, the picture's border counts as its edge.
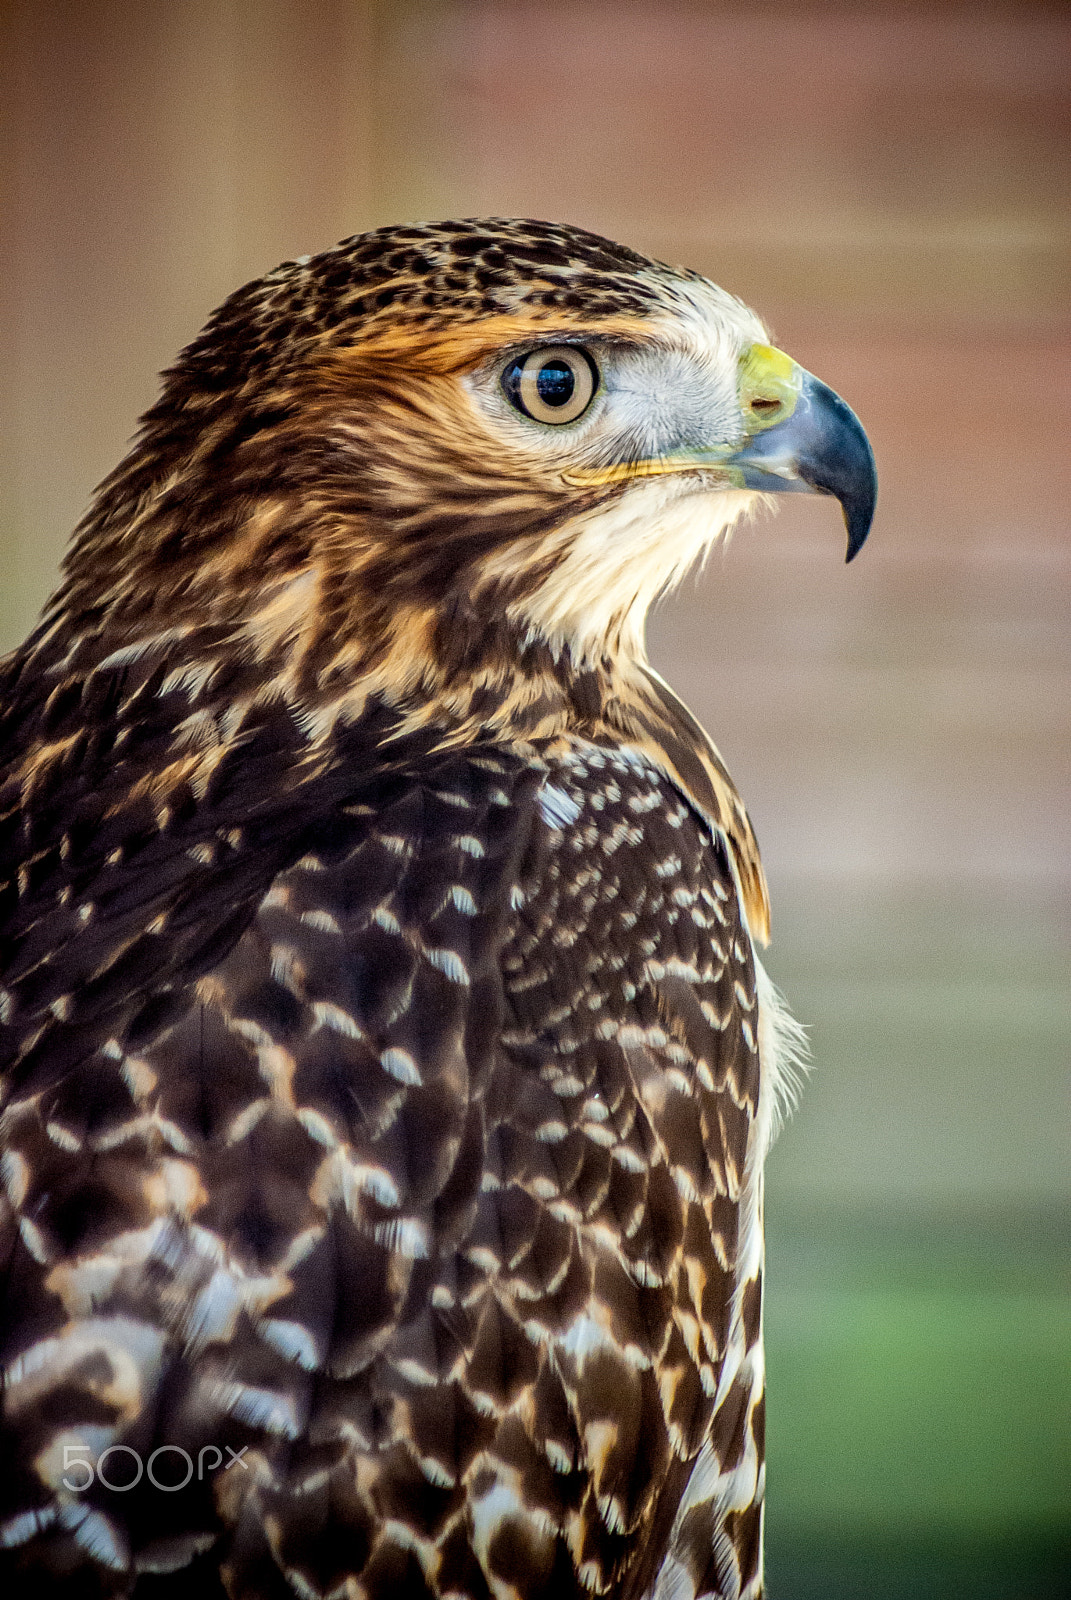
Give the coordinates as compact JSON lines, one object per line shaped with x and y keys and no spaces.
{"x":889,"y":186}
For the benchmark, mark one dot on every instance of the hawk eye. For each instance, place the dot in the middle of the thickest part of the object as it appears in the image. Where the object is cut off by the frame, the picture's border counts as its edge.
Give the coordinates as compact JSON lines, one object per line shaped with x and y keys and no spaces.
{"x":552,"y":385}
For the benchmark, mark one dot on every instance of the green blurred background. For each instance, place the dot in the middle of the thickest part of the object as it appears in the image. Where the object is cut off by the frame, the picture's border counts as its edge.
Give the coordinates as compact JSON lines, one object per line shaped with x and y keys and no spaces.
{"x":889,"y":186}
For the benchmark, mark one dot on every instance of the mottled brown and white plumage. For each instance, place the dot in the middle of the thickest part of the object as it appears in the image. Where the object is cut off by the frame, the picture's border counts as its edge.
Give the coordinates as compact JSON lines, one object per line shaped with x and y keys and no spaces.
{"x":387,"y":1068}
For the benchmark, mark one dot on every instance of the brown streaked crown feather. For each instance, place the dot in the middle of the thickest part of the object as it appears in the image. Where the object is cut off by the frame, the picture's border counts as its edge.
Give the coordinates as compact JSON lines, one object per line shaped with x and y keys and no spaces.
{"x":379,"y":1021}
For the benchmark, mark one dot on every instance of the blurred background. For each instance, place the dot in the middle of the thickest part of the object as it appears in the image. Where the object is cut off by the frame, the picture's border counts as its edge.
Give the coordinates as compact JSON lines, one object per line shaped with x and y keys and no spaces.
{"x":889,"y":186}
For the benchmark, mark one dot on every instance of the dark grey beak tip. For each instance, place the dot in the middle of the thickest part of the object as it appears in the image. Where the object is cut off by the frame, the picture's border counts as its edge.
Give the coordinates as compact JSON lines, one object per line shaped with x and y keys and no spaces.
{"x":858,"y":516}
{"x":841,"y":462}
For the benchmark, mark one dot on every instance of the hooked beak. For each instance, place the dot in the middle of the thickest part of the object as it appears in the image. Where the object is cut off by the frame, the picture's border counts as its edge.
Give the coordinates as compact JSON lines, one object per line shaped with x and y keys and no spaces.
{"x":799,"y":437}
{"x":803,"y":438}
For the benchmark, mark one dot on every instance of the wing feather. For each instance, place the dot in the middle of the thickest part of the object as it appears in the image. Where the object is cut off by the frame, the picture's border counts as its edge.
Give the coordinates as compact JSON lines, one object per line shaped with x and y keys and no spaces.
{"x":428,"y":1195}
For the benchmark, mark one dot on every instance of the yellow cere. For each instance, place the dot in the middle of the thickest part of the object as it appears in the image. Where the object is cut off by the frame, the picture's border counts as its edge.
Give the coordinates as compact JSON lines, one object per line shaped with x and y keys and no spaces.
{"x":770,"y":384}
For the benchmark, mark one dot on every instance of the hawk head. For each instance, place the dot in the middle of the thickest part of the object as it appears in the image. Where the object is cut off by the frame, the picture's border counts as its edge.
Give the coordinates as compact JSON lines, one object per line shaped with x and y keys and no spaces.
{"x":512,"y":420}
{"x":446,"y":469}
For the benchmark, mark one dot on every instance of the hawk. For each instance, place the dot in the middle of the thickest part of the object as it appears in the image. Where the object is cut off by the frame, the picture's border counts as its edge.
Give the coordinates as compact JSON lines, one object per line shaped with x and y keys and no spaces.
{"x":387,"y":1065}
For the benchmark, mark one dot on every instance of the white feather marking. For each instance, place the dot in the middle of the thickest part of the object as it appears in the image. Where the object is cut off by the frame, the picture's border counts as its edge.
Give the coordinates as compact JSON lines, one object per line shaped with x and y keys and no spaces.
{"x":260,"y":1408}
{"x":331,"y":1016}
{"x":97,"y":1535}
{"x":25,"y":1526}
{"x":489,"y":1512}
{"x":584,"y":1336}
{"x":34,"y":1240}
{"x":400,"y":1065}
{"x":292,"y":1340}
{"x":404,"y":1235}
{"x":551,"y":1132}
{"x":397,"y":844}
{"x":322,"y":921}
{"x":301,"y":1247}
{"x":15,"y":1175}
{"x":784,"y":1059}
{"x":559,"y":809}
{"x":449,"y":963}
{"x":133,"y":652}
{"x":118,"y":1358}
{"x":214,"y":1311}
{"x":246,"y":1120}
{"x":317,"y":1127}
{"x":415,"y":1372}
{"x":628,"y":1158}
{"x":350,"y":1179}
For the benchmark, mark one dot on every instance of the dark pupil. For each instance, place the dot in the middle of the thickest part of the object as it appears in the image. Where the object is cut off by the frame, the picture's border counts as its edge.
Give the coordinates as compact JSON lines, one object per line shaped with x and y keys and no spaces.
{"x":555,"y":383}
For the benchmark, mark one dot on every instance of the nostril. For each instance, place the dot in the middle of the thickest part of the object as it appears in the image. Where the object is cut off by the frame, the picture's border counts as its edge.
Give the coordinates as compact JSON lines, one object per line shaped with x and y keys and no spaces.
{"x":765,"y":408}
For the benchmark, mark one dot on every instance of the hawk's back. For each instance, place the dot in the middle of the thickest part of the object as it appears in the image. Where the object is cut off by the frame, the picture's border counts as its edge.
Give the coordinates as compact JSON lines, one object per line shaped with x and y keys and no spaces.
{"x":426,"y":1207}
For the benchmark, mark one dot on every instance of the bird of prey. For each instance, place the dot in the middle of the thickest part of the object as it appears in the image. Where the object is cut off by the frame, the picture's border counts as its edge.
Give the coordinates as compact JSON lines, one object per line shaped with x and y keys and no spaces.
{"x":387,"y":1065}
